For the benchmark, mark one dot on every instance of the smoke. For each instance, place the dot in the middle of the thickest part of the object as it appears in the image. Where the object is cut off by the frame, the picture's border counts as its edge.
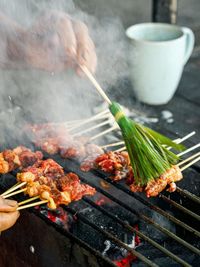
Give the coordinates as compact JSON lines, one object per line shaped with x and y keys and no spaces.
{"x":39,"y":96}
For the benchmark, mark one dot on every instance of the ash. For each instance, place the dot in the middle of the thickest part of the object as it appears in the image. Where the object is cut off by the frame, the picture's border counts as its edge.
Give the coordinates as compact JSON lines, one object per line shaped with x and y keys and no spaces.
{"x":98,"y":240}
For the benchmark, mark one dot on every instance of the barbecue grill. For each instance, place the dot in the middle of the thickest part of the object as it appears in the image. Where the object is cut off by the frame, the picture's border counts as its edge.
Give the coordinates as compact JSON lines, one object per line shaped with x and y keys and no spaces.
{"x":116,"y":227}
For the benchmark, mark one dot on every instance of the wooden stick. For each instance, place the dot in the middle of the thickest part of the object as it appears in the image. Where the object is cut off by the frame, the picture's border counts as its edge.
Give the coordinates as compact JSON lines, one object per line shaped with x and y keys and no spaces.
{"x":7,"y":191}
{"x":93,"y":127}
{"x":99,"y":116}
{"x":180,"y":154}
{"x":15,"y":193}
{"x":13,"y":188}
{"x":32,"y":205}
{"x":180,"y":140}
{"x":189,"y":164}
{"x":188,"y":150}
{"x":27,"y":200}
{"x":177,"y":141}
{"x":113,"y":144}
{"x":188,"y":159}
{"x":120,"y":149}
{"x":103,"y":133}
{"x":95,"y":83}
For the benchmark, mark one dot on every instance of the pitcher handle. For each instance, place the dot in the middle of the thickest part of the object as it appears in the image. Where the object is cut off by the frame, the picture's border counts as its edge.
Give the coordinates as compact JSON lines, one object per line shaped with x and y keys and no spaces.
{"x":189,"y":43}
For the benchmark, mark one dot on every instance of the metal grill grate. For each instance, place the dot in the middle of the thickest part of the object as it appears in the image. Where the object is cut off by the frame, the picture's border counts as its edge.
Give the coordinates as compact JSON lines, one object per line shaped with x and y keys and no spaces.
{"x":93,"y":180}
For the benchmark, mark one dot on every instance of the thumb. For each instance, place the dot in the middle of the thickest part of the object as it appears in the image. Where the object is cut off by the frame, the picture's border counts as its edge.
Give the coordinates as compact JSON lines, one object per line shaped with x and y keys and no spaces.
{"x":7,"y":220}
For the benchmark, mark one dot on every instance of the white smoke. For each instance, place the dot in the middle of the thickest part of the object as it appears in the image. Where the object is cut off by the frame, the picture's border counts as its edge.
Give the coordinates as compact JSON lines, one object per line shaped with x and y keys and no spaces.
{"x":61,"y":96}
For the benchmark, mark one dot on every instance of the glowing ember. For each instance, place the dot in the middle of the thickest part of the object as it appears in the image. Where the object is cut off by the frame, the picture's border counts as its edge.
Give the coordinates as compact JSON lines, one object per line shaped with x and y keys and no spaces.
{"x":126,"y":262}
{"x":102,"y":200}
{"x":129,"y":258}
{"x":58,"y":216}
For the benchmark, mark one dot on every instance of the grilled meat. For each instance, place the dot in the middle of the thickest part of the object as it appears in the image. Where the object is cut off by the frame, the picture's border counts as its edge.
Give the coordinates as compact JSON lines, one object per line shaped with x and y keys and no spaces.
{"x":47,"y":179}
{"x":48,"y":168}
{"x":92,"y":152}
{"x":18,"y":157}
{"x":156,"y":186}
{"x":115,"y":163}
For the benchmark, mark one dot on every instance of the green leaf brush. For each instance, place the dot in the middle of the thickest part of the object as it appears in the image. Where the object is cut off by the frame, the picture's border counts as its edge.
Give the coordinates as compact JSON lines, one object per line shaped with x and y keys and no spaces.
{"x":147,"y":150}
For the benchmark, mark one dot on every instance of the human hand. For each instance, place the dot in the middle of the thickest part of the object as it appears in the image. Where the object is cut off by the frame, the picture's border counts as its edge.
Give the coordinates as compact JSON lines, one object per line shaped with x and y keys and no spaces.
{"x":56,"y":42}
{"x":8,"y":213}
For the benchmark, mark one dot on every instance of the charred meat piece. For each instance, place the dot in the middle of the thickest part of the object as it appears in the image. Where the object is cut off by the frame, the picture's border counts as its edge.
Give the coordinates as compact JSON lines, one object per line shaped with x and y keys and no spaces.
{"x":115,"y":163}
{"x":12,"y":158}
{"x":18,"y":157}
{"x":49,"y":145}
{"x":92,"y":152}
{"x":47,"y":180}
{"x":71,"y":183}
{"x":74,"y":149}
{"x":51,"y":168}
{"x":4,"y":165}
{"x":47,"y":167}
{"x":156,"y":186}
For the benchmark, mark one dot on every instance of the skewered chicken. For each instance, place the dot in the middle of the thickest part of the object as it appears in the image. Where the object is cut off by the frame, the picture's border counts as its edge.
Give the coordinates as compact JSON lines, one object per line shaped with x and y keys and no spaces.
{"x":155,"y":186}
{"x":115,"y":163}
{"x":56,"y":139}
{"x":47,"y":167}
{"x":171,"y":176}
{"x":47,"y":180}
{"x":18,"y":157}
{"x":92,"y":152}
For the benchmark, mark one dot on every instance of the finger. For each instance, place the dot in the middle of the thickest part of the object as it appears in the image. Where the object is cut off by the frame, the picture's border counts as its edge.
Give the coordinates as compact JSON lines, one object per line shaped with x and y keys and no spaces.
{"x":7,"y":220}
{"x":85,"y":47}
{"x":87,"y":58}
{"x":8,"y":205}
{"x":67,"y":37}
{"x":11,"y":203}
{"x":90,"y":58}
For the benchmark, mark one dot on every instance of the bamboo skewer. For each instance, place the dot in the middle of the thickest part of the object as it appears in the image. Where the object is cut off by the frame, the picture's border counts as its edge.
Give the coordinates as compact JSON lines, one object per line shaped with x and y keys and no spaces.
{"x":113,"y":144}
{"x":188,"y":150}
{"x":103,"y":133}
{"x":15,"y":193}
{"x":95,"y":83}
{"x":120,"y":149}
{"x":27,"y":200}
{"x":32,"y":205}
{"x":7,"y":191}
{"x":100,"y":115}
{"x":180,"y":140}
{"x":13,"y":188}
{"x":93,"y":127}
{"x":80,"y":125}
{"x":190,"y":163}
{"x":188,"y":159}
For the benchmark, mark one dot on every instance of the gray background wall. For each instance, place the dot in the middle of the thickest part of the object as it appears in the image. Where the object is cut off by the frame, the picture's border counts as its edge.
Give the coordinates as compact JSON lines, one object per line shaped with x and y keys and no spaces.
{"x":134,"y":11}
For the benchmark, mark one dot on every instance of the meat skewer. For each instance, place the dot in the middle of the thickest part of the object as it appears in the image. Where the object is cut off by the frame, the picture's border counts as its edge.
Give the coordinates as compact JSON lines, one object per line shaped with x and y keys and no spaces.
{"x":48,"y":181}
{"x":60,"y":189}
{"x":18,"y":157}
{"x":119,"y":170}
{"x":118,"y":166}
